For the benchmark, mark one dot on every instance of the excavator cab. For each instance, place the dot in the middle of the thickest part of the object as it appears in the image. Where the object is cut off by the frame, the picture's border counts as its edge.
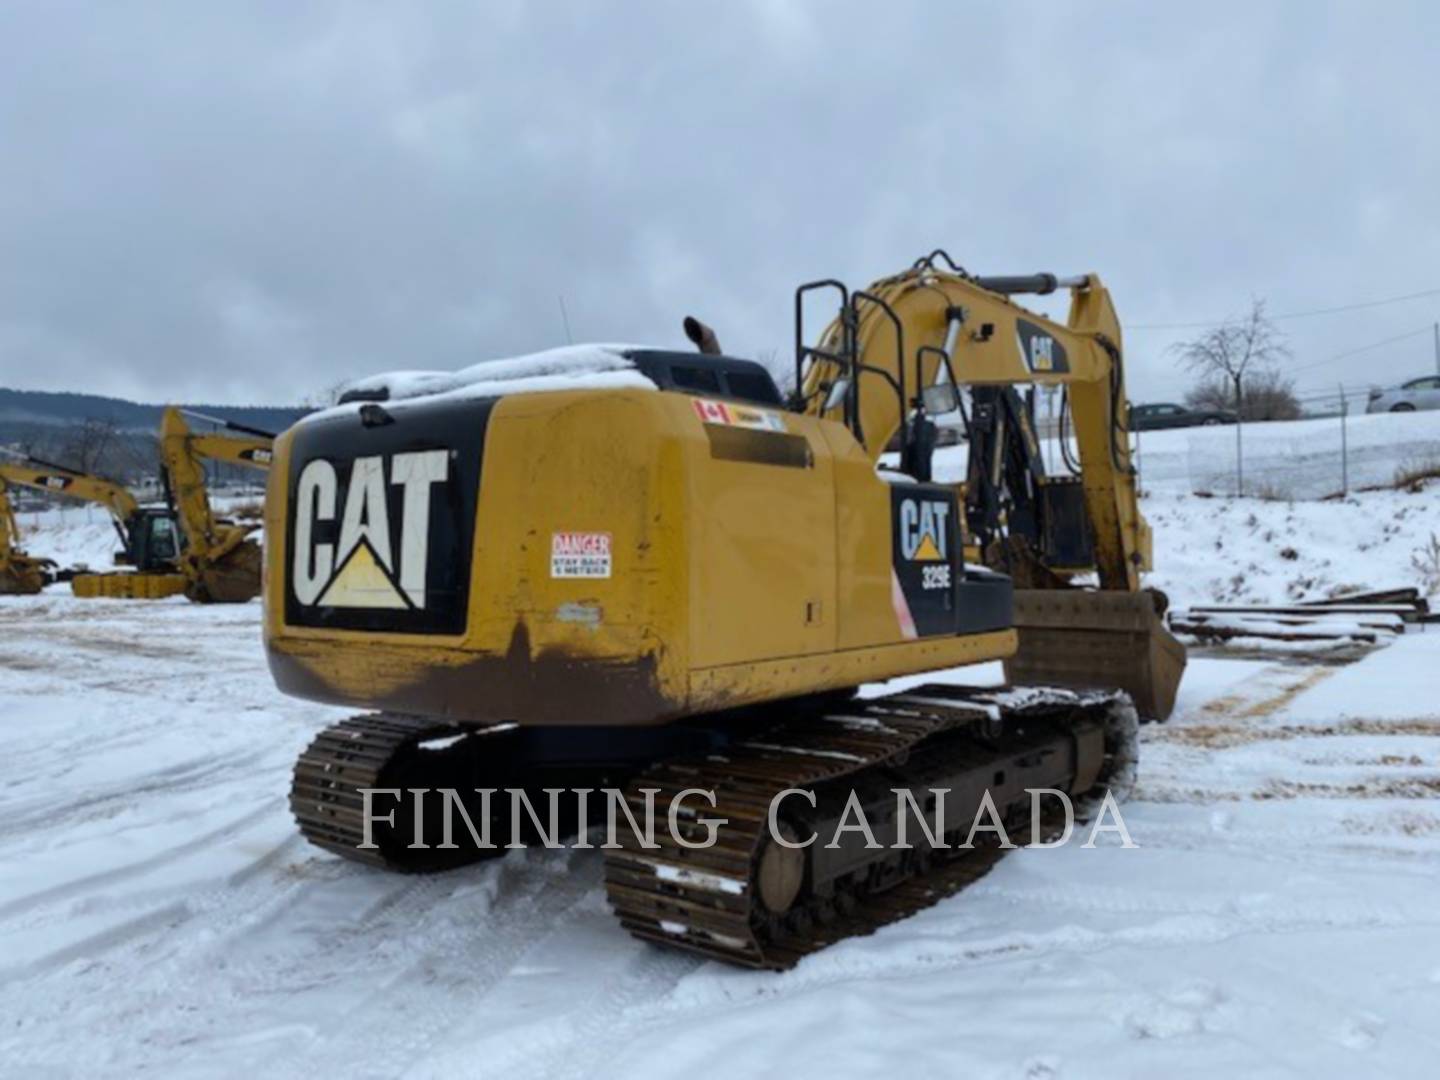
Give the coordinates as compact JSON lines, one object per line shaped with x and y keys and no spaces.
{"x":152,"y":541}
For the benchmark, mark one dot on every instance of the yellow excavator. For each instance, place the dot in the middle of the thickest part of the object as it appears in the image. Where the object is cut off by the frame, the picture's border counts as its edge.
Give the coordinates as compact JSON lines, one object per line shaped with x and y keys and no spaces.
{"x":220,"y":561}
{"x":674,"y":579}
{"x":20,"y":574}
{"x":179,"y":548}
{"x":150,"y":542}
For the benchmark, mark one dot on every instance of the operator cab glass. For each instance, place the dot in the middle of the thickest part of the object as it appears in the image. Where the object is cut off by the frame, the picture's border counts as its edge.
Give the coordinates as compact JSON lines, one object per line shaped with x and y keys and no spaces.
{"x":164,"y":540}
{"x":710,"y":376}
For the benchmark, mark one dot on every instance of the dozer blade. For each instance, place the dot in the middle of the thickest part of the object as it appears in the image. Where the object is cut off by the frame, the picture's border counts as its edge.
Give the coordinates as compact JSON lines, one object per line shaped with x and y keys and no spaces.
{"x":1098,"y":640}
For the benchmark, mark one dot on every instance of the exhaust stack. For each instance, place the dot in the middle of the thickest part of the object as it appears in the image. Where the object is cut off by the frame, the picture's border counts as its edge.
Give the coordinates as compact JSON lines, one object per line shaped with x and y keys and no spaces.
{"x":702,"y":336}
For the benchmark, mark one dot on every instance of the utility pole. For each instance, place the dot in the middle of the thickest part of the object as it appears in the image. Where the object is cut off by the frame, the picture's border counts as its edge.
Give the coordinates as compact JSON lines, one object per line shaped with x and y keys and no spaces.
{"x":1344,"y":444}
{"x":1437,"y":348}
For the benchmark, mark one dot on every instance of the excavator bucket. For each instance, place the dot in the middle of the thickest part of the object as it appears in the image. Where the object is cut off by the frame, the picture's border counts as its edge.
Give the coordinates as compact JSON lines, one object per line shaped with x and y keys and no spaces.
{"x":232,"y":579}
{"x":21,"y":576}
{"x":1082,"y":638}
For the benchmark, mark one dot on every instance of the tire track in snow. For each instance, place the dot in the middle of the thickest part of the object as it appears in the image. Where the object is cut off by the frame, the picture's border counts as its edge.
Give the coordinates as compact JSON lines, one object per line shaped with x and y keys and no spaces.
{"x":89,"y":883}
{"x":465,"y":956}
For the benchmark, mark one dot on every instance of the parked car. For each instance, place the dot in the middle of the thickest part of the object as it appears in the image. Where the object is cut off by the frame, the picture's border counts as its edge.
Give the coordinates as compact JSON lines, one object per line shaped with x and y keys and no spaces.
{"x":1167,"y":415}
{"x":1423,"y":393}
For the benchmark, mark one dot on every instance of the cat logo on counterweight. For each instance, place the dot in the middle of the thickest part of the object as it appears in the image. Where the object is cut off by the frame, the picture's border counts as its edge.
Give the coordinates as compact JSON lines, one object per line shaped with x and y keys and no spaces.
{"x":369,"y":564}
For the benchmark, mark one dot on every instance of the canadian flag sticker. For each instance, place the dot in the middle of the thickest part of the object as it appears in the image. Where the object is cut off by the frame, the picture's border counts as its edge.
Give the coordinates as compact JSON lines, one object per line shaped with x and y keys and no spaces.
{"x":711,"y":412}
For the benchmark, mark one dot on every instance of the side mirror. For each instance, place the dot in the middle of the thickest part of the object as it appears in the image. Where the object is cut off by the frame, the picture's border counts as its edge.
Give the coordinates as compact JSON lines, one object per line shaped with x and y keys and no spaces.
{"x":940,"y":399}
{"x":838,"y":389}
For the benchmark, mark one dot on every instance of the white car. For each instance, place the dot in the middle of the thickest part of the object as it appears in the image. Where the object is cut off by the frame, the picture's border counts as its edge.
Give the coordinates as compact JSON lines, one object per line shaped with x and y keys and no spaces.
{"x":1407,"y":397}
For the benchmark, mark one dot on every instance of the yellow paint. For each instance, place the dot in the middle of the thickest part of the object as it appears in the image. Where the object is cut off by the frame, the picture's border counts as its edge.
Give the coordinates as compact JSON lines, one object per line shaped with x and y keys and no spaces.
{"x":738,"y":581}
{"x":361,"y":583}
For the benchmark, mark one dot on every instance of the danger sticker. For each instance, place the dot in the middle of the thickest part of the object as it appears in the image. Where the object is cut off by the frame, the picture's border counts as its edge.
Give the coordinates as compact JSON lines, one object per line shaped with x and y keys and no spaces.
{"x":580,"y":555}
{"x":720,"y":412}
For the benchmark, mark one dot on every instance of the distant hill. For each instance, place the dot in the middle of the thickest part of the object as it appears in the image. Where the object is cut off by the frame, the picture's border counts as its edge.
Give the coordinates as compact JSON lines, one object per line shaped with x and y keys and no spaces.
{"x":26,"y":408}
{"x":111,"y":436}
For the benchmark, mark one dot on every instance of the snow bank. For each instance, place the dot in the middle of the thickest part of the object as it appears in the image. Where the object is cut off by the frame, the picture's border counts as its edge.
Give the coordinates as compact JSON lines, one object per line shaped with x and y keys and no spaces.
{"x":72,"y":535}
{"x":1258,"y":551}
{"x":573,"y":367}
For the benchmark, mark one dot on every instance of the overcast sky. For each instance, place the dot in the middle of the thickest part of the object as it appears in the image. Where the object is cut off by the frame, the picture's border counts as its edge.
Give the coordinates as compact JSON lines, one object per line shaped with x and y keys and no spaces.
{"x":241,"y":203}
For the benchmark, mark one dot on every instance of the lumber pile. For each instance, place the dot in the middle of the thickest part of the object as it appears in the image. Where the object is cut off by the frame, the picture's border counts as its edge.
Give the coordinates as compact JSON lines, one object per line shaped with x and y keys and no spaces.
{"x":1369,"y":617}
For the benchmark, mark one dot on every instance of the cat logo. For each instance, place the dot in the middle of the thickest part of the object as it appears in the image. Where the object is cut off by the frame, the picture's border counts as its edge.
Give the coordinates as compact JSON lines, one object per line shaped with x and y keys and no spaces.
{"x":56,"y":483}
{"x":360,"y":569}
{"x":259,"y":455}
{"x":1042,"y":353}
{"x":923,"y":527}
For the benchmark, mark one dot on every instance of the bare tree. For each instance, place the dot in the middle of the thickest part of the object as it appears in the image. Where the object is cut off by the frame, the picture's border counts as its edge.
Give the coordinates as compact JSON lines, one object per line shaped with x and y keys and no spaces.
{"x":1268,"y":395}
{"x":87,"y":443}
{"x":1237,"y":349}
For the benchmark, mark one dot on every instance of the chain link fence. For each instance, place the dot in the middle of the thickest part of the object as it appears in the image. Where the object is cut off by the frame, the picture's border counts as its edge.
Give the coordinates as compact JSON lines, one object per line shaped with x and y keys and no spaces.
{"x":1318,"y":458}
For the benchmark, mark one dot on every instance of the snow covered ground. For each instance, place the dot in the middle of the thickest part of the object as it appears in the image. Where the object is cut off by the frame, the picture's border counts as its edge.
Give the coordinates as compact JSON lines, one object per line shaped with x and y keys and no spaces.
{"x":157,"y":911}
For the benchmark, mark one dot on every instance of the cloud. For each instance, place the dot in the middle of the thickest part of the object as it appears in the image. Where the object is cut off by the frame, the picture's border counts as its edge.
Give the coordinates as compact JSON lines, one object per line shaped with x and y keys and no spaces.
{"x":249,"y":204}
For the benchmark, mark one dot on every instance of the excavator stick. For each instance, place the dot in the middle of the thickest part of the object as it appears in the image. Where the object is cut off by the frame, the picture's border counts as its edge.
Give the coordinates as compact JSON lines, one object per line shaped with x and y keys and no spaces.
{"x":1085,"y":639}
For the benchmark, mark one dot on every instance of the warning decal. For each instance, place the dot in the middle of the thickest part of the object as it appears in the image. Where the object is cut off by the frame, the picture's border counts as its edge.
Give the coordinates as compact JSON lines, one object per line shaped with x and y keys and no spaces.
{"x":734,"y":415}
{"x":580,"y":555}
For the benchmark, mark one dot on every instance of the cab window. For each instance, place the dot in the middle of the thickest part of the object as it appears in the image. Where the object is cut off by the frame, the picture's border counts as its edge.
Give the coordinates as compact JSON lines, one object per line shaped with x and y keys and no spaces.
{"x":701,"y":380}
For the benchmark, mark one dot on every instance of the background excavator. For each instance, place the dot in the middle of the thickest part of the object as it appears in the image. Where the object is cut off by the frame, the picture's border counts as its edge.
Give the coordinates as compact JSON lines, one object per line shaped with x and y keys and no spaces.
{"x":683,"y":589}
{"x":181,"y":547}
{"x":220,"y":561}
{"x":20,"y":574}
{"x":149,"y":540}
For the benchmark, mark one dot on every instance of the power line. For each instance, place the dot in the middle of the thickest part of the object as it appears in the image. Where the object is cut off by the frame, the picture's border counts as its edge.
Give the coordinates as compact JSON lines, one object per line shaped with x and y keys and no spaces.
{"x":1360,"y":349}
{"x":1291,"y":314}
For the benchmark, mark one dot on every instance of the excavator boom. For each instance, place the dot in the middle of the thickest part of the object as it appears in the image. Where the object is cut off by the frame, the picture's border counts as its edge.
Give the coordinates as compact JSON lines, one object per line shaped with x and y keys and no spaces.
{"x":939,"y":324}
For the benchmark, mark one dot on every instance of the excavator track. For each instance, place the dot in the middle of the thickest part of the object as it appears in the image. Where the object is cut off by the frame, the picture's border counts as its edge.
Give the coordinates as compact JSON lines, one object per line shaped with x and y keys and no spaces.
{"x":712,"y":900}
{"x":358,"y":753}
{"x":718,"y":900}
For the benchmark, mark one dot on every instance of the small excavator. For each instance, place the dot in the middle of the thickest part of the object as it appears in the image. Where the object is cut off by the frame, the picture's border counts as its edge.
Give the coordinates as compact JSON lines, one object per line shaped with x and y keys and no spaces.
{"x":149,"y":540}
{"x":681,"y":585}
{"x":20,"y":574}
{"x":181,"y":548}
